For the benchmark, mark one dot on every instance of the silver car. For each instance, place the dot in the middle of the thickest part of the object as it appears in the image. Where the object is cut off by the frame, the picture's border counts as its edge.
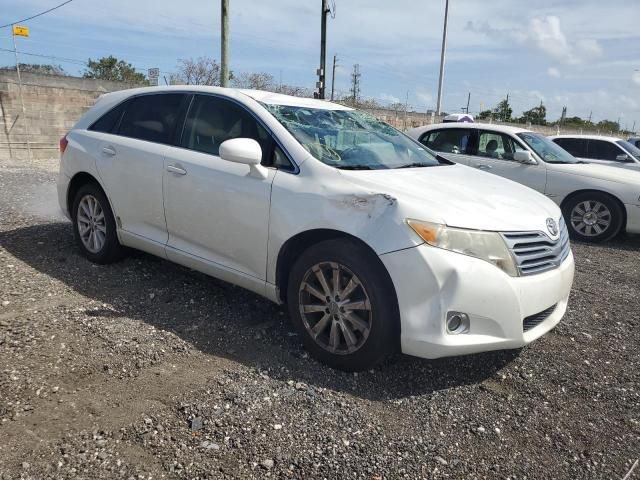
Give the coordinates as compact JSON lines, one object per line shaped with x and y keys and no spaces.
{"x":600,"y":149}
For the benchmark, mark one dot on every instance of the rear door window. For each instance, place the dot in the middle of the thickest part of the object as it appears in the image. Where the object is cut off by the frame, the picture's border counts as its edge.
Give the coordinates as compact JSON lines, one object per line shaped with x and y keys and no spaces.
{"x":152,"y":117}
{"x":603,"y":150}
{"x":575,"y":146}
{"x":454,"y":140}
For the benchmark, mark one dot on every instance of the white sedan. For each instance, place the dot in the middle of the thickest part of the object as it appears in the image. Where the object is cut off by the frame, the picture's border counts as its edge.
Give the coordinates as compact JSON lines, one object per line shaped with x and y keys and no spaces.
{"x":371,"y":241}
{"x":598,"y":202}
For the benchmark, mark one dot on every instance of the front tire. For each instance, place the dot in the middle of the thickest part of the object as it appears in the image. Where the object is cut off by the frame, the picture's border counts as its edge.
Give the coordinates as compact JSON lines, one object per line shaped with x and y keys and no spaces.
{"x":593,"y":217}
{"x":342,"y":302}
{"x":94,"y":227}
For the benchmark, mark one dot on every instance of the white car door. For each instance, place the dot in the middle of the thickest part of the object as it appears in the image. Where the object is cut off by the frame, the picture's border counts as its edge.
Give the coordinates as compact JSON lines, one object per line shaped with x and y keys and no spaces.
{"x":494,"y":154}
{"x":454,"y":144}
{"x":131,"y":164}
{"x":217,"y":211}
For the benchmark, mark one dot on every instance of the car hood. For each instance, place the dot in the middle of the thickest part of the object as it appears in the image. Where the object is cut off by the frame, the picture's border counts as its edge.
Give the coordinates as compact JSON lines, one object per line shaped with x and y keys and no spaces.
{"x":460,"y":196}
{"x":602,"y":172}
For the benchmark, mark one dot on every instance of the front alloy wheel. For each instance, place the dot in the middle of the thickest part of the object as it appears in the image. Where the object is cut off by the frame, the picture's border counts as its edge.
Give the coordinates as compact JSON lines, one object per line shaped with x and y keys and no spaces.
{"x":343,"y":303}
{"x":335,"y":308}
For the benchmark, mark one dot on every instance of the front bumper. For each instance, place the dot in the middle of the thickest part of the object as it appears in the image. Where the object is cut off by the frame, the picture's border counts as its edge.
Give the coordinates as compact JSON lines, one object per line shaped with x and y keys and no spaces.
{"x":430,"y":282}
{"x":633,"y":218}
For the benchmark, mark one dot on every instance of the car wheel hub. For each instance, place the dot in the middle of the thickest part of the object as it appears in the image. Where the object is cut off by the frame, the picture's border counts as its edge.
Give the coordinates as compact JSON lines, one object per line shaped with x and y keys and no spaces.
{"x":335,"y":308}
{"x":590,"y":218}
{"x":91,"y":222}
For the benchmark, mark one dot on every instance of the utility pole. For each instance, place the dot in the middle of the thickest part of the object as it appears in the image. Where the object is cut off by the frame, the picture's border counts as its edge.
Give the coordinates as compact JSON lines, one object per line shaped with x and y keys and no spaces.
{"x":323,"y":49}
{"x":406,"y":109}
{"x":355,"y":84}
{"x":590,"y":113}
{"x":466,"y":110}
{"x":24,"y":110}
{"x":333,"y":76}
{"x":224,"y":55}
{"x":442,"y":56}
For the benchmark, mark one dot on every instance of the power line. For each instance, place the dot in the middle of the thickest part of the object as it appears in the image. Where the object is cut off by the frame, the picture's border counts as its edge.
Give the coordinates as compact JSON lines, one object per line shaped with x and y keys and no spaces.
{"x":37,"y":14}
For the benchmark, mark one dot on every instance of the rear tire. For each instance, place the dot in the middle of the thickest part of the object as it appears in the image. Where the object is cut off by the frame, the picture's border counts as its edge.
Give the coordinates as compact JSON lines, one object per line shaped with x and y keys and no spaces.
{"x":94,"y":227}
{"x":342,"y":302}
{"x":593,"y":217}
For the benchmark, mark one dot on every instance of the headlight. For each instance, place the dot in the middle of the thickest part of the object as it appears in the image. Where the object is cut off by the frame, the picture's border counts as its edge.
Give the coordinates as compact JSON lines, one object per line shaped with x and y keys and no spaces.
{"x":487,"y":246}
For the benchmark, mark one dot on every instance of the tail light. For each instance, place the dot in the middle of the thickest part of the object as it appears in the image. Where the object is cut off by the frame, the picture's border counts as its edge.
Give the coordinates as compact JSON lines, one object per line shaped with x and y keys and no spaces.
{"x":63,"y":144}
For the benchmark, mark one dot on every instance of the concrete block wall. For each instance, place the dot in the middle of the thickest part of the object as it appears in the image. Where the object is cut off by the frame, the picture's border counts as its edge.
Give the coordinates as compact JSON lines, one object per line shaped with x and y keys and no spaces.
{"x":52,"y":105}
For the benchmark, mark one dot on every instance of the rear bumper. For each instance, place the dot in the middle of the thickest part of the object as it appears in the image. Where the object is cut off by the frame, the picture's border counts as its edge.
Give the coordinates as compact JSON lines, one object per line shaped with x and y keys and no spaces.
{"x":430,"y":282}
{"x":633,"y":218}
{"x":63,"y":188}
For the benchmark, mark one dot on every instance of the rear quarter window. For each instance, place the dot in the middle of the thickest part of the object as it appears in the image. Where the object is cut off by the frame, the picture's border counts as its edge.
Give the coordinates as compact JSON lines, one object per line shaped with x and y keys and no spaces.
{"x":109,"y":122}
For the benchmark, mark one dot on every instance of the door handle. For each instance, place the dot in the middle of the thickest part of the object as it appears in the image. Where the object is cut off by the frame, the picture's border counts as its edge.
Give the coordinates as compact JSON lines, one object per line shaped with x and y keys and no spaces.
{"x":176,"y":170}
{"x":484,"y":167}
{"x":109,"y":150}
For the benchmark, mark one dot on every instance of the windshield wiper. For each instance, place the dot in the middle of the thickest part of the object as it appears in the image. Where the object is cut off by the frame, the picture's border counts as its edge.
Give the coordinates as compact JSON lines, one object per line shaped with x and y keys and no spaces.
{"x":354,"y":167}
{"x":413,"y":165}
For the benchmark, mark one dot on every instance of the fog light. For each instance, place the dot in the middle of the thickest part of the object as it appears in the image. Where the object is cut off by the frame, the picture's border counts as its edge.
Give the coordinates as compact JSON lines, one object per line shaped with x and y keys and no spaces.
{"x":457,"y":323}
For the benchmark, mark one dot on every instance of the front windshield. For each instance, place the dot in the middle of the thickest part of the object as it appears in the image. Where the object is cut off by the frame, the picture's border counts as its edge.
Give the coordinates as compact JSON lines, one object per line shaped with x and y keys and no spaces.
{"x":631,"y":148}
{"x":351,"y":140}
{"x":547,"y":150}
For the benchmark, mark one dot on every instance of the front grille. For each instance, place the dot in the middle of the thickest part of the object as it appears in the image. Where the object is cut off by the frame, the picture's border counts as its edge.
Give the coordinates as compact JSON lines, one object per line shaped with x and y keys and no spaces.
{"x":534,"y":320}
{"x":537,"y":252}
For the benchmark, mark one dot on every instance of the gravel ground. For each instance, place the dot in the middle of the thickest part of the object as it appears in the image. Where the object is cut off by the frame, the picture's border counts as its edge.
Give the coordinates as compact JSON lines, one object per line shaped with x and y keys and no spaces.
{"x":145,"y":369}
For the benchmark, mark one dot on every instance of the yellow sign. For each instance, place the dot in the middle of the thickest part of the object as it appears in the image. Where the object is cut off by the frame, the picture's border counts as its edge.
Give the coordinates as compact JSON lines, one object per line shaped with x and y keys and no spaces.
{"x":20,"y":31}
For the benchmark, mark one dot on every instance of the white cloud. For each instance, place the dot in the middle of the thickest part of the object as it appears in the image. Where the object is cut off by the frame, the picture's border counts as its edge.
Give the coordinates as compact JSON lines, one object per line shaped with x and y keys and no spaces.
{"x":635,"y":77}
{"x":425,"y":98}
{"x":545,"y":35}
{"x":388,"y":98}
{"x":553,"y":72}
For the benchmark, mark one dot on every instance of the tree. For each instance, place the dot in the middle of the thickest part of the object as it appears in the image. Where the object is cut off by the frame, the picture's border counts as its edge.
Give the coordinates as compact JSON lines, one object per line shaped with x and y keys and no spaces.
{"x":256,"y":81}
{"x":503,"y":111}
{"x":484,"y":115}
{"x":295,"y":91}
{"x":537,"y":115}
{"x":608,"y":126}
{"x":202,"y":71}
{"x":110,"y":68}
{"x":43,"y":69}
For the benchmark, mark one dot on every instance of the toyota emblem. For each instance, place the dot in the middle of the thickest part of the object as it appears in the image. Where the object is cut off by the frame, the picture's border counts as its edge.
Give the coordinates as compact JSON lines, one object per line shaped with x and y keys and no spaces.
{"x":552,"y":226}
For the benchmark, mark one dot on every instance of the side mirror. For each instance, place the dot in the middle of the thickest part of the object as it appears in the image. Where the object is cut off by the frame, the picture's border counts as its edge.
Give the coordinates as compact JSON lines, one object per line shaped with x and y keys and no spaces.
{"x":241,"y":150}
{"x":623,"y":157}
{"x":523,"y":157}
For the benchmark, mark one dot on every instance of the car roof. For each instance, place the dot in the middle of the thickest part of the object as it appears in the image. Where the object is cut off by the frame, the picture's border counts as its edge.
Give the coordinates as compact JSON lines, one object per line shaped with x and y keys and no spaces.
{"x":484,"y":126}
{"x":589,"y":137}
{"x":258,"y":95}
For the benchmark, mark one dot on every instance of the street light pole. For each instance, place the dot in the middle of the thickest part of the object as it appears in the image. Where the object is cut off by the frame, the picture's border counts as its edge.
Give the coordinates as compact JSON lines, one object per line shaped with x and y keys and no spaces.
{"x":442,"y":56}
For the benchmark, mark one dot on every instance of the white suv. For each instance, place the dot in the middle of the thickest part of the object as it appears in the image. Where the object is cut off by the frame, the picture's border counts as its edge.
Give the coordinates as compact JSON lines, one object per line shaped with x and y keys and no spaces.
{"x":598,"y":202}
{"x":371,"y":241}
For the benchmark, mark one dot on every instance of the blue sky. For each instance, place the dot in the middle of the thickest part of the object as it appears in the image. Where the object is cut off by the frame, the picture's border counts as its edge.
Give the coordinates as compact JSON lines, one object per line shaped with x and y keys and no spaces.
{"x":581,"y":53}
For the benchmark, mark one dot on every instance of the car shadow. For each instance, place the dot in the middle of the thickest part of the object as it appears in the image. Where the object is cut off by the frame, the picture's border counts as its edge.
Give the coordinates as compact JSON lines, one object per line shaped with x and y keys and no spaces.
{"x":222,"y":320}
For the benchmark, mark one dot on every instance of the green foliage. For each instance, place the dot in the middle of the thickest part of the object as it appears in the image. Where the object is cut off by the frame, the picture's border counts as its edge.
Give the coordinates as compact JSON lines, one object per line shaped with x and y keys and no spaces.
{"x":503,"y":111}
{"x":484,"y":115}
{"x":43,"y":69}
{"x":608,"y":126}
{"x":536,"y":116}
{"x":110,"y":68}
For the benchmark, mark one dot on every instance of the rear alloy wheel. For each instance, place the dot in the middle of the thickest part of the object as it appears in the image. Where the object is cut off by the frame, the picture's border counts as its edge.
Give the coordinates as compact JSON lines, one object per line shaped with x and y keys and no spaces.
{"x":343,"y":303}
{"x":94,"y":226}
{"x":593,"y":217}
